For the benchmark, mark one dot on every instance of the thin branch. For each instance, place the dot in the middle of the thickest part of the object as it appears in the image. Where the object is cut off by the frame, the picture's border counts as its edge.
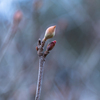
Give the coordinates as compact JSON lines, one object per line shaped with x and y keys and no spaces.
{"x":7,"y":41}
{"x":16,"y":20}
{"x":50,"y":32}
{"x":40,"y":77}
{"x":41,"y":68}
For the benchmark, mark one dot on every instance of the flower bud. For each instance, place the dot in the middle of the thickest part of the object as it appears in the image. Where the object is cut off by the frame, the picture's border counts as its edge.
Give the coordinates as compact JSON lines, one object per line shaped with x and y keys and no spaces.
{"x":50,"y":32}
{"x":17,"y":17}
{"x":51,"y":45}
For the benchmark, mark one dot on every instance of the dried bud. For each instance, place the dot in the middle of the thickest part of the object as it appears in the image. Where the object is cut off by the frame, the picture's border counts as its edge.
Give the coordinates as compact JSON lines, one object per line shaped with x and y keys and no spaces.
{"x":50,"y":32}
{"x":36,"y":48}
{"x":51,"y":45}
{"x":17,"y":17}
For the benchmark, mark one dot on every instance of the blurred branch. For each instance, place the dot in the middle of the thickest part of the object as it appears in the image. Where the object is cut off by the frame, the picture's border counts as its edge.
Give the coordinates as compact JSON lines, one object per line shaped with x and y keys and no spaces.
{"x":16,"y":20}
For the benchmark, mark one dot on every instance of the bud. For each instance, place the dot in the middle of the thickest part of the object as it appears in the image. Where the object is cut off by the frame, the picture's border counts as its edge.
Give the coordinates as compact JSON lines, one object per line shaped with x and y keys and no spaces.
{"x":36,"y":48}
{"x":50,"y":32}
{"x":17,"y":17}
{"x":51,"y":45}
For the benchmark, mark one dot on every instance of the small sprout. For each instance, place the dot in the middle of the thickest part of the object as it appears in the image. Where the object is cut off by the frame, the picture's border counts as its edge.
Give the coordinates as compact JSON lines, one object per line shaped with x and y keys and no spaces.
{"x":17,"y":17}
{"x":51,"y":45}
{"x":50,"y":32}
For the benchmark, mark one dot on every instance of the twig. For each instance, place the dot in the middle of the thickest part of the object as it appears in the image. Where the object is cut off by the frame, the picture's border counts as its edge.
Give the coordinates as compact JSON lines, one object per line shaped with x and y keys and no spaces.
{"x":41,"y":68}
{"x":7,"y":42}
{"x":16,"y":20}
{"x":50,"y":32}
{"x":40,"y":77}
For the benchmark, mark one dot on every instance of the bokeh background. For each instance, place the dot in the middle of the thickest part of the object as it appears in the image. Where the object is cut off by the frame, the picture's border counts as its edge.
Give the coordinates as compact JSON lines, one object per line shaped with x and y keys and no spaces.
{"x":72,"y":69}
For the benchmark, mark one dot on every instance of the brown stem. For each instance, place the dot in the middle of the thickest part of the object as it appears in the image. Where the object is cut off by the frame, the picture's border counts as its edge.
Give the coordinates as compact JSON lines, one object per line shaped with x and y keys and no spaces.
{"x":41,"y":67}
{"x":42,"y":57}
{"x":40,"y":77}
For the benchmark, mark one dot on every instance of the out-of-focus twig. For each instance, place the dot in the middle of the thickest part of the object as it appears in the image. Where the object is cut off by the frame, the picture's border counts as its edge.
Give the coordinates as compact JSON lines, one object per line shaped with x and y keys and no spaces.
{"x":16,"y":20}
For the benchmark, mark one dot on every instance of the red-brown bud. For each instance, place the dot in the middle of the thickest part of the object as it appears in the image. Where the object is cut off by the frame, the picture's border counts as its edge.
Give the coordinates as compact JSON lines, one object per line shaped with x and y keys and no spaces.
{"x":36,"y":48}
{"x":51,"y":45}
{"x":17,"y":17}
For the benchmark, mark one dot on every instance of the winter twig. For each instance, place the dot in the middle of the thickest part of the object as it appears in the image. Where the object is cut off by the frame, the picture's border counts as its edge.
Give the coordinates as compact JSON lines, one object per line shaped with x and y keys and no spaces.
{"x":42,"y":55}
